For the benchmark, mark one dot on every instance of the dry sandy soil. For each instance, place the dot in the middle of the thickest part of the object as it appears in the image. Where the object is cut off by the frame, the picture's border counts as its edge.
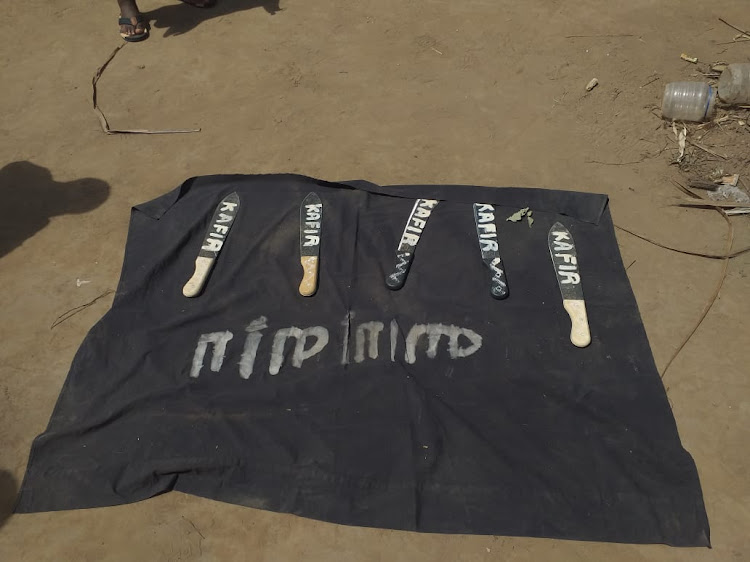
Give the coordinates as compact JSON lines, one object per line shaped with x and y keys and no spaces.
{"x":428,"y":91}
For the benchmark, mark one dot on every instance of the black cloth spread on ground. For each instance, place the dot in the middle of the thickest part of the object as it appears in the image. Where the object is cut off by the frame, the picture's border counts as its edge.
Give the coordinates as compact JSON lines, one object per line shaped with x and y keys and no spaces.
{"x":502,"y":427}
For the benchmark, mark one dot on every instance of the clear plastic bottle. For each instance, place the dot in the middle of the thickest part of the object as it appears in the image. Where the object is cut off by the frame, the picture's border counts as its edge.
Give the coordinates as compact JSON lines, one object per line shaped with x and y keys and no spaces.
{"x":734,"y":83}
{"x":688,"y":101}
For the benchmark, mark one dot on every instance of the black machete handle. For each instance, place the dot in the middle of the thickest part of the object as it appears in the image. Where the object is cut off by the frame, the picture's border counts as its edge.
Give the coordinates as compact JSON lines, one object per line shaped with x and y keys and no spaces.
{"x":396,"y":280}
{"x":498,"y":283}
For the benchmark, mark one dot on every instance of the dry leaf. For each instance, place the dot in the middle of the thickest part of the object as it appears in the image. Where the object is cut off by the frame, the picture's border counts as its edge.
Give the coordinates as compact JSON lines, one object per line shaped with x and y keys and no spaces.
{"x":681,"y":136}
{"x":515,"y":217}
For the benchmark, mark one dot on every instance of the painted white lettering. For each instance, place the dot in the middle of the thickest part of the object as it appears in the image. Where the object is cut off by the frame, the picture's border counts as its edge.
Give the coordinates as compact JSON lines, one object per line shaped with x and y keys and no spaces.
{"x":488,"y":245}
{"x":300,"y":354}
{"x":220,"y":228}
{"x":228,"y":206}
{"x":433,"y":333}
{"x":314,"y":212}
{"x":570,"y":278}
{"x":394,"y":336}
{"x":309,"y":342}
{"x":497,"y":272}
{"x":224,"y":218}
{"x":219,"y":341}
{"x":212,"y":245}
{"x":457,"y":352}
{"x":347,"y":324}
{"x":419,"y":223}
{"x":567,"y":258}
{"x":486,"y":217}
{"x":411,"y":239}
{"x":560,"y":235}
{"x":311,"y":240}
{"x":422,"y":213}
{"x":252,"y":341}
{"x":562,"y":246}
{"x":373,"y":329}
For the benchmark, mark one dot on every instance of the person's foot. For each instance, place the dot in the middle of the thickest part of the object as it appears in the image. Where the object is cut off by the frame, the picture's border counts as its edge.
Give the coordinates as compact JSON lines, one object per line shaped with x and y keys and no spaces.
{"x":133,"y":29}
{"x":133,"y":26}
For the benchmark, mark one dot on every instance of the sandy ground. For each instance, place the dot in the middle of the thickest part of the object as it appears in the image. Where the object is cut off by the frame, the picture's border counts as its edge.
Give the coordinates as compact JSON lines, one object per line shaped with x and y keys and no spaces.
{"x":414,"y":91}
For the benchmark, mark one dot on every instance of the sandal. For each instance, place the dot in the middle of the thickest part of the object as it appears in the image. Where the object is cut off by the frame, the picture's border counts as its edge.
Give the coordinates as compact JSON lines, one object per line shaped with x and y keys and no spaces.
{"x":135,"y":37}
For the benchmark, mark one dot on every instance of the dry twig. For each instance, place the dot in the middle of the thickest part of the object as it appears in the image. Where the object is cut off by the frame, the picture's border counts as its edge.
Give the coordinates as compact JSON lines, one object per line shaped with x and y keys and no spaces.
{"x":735,"y":41}
{"x":701,"y":184}
{"x":605,"y":35}
{"x":641,"y":159}
{"x":103,"y":120}
{"x":708,"y":150}
{"x":710,"y":204}
{"x":745,"y":33}
{"x":67,"y":315}
{"x":726,"y":257}
{"x":686,"y":252}
{"x":710,"y":303}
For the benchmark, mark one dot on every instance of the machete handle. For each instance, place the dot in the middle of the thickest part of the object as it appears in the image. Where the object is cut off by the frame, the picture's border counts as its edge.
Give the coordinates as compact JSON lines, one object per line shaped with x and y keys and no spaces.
{"x":396,"y":280}
{"x":309,"y":283}
{"x":498,"y":283}
{"x":195,"y":284}
{"x":499,"y":289}
{"x":579,"y":322}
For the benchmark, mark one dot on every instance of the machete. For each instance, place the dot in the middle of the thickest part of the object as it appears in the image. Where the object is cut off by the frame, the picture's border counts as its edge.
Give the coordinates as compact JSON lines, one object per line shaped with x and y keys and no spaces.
{"x":484,"y":217}
{"x":563,"y":252}
{"x":310,"y":225}
{"x":216,"y":235}
{"x":409,"y":240}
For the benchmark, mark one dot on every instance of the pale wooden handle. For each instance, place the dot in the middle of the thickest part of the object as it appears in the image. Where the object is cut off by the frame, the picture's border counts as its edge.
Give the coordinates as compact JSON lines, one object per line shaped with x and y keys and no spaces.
{"x":194,"y":286}
{"x":309,"y":283}
{"x":579,"y":328}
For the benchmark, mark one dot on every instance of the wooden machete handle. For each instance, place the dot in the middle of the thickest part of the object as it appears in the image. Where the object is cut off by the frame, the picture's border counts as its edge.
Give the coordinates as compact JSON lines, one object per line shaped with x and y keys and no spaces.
{"x":579,"y":322}
{"x":309,"y":283}
{"x":194,"y":286}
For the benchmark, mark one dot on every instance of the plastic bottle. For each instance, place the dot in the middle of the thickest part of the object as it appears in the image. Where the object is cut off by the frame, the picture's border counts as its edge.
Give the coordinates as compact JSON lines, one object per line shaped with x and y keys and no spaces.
{"x":734,"y":83}
{"x":688,"y":101}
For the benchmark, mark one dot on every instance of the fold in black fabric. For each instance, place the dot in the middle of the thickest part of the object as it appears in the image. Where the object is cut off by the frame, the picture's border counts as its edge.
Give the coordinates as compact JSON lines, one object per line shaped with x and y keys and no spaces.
{"x":434,"y":408}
